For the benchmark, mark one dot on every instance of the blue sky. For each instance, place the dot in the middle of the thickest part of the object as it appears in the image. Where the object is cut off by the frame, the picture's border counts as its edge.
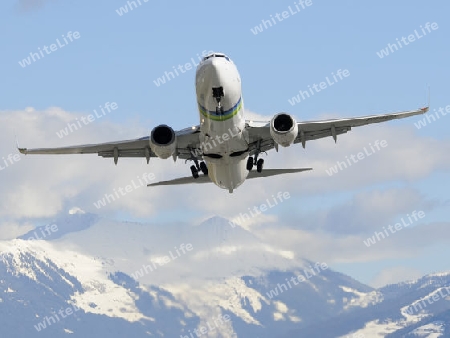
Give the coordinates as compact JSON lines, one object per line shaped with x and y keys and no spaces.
{"x":117,"y":58}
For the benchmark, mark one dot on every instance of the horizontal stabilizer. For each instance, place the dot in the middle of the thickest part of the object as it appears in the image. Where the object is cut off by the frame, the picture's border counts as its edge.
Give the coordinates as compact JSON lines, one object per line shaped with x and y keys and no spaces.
{"x":182,"y":180}
{"x":206,"y":179}
{"x":274,"y":172}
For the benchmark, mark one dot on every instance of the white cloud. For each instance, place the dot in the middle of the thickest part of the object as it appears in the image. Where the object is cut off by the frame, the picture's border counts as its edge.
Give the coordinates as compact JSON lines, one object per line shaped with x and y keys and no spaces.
{"x":43,"y":186}
{"x":368,"y":211}
{"x":10,"y":230}
{"x":395,"y":275}
{"x":76,"y":210}
{"x":84,"y":179}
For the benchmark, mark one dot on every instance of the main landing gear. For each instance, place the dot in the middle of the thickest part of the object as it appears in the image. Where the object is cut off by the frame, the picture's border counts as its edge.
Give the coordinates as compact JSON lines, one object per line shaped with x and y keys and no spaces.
{"x":251,"y":161}
{"x":199,"y":166}
{"x":259,"y":163}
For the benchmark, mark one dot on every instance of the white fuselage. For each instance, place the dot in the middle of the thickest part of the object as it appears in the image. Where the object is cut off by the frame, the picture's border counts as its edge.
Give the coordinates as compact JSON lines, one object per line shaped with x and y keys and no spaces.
{"x":222,"y":122}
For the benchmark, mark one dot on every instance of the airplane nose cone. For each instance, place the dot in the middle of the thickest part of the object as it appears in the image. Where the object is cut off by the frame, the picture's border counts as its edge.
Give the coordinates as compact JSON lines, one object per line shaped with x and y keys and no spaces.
{"x":215,"y":71}
{"x":218,"y":69}
{"x":216,"y":61}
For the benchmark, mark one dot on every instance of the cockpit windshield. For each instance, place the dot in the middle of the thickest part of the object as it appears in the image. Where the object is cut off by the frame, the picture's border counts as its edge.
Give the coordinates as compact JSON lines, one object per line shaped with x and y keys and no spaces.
{"x":217,"y":55}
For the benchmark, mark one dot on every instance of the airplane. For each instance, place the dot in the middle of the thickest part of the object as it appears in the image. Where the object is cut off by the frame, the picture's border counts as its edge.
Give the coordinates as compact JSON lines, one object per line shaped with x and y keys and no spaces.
{"x":224,"y":147}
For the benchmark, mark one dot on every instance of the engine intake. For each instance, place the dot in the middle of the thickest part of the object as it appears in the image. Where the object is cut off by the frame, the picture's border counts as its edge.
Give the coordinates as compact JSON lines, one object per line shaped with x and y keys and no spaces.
{"x":163,"y":141}
{"x":283,"y":129}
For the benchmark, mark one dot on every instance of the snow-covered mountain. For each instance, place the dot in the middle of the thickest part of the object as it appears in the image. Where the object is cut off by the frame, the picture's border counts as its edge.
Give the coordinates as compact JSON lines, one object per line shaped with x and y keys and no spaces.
{"x":93,"y":277}
{"x":418,"y":308}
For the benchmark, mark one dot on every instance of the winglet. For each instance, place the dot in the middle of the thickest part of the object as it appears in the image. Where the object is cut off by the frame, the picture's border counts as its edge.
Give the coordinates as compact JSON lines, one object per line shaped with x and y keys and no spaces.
{"x":21,"y":150}
{"x":428,"y":99}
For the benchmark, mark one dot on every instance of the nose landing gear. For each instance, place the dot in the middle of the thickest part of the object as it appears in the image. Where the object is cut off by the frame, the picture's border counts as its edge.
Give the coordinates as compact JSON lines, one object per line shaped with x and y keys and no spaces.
{"x":217,"y":93}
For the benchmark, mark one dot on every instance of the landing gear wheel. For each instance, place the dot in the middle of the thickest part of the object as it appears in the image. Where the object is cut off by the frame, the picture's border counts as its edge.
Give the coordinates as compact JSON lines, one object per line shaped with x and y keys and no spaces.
{"x":194,"y":171}
{"x":204,"y":168}
{"x":249,"y":163}
{"x":259,"y":165}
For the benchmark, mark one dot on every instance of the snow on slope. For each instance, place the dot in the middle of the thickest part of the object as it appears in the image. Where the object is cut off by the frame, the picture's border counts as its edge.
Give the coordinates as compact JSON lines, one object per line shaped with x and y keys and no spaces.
{"x":362,"y":299}
{"x":109,"y":299}
{"x":432,"y":330}
{"x":206,"y":280}
{"x":203,"y":279}
{"x":228,"y":271}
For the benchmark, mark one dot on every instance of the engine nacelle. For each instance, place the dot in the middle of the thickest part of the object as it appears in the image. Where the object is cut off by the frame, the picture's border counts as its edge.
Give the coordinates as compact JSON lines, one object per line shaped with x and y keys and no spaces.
{"x":283,"y":129}
{"x":163,"y":141}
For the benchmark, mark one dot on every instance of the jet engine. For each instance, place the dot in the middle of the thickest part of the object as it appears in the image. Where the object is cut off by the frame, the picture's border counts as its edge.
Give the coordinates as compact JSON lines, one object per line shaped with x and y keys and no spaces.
{"x":283,"y":129}
{"x":163,"y":141}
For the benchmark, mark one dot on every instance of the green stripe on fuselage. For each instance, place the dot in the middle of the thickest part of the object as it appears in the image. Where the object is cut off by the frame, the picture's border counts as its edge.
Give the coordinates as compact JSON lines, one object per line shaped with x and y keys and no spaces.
{"x":220,"y":117}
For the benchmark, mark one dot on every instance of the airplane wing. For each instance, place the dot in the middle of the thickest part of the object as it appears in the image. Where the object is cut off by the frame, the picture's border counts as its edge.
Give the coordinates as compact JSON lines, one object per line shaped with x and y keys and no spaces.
{"x":187,"y":140}
{"x":205,"y":178}
{"x":259,"y":136}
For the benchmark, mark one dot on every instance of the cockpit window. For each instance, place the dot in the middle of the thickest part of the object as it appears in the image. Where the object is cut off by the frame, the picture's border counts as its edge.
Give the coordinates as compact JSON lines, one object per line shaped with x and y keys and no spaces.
{"x":217,"y":55}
